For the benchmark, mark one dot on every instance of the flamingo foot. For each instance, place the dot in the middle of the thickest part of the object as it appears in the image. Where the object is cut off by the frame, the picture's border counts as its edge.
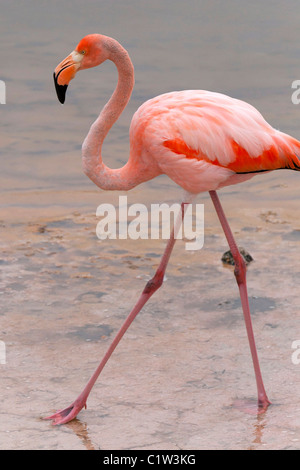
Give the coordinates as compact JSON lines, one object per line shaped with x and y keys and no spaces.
{"x":252,"y":407}
{"x":67,"y":414}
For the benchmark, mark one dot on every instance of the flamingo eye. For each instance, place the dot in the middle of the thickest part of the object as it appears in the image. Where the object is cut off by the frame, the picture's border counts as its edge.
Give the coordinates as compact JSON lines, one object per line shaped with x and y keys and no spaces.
{"x":82,"y":52}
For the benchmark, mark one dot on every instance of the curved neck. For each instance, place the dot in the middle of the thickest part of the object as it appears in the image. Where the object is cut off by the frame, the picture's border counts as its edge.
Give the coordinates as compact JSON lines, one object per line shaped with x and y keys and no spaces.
{"x":93,"y":166}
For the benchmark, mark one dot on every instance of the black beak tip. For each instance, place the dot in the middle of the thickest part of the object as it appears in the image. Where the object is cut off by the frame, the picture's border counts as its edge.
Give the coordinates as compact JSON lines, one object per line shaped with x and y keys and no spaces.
{"x":60,"y":90}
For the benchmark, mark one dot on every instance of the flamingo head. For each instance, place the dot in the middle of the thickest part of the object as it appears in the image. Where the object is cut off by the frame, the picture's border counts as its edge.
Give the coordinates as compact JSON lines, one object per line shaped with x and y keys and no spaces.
{"x":90,"y":52}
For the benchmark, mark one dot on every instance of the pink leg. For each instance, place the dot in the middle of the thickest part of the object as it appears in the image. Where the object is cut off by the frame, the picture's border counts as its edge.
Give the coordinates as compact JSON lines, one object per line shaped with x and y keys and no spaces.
{"x":69,"y":413}
{"x":240,"y":274}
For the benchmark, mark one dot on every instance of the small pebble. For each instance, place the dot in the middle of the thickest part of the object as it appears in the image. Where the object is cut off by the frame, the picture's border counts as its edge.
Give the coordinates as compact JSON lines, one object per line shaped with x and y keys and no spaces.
{"x":227,"y":257}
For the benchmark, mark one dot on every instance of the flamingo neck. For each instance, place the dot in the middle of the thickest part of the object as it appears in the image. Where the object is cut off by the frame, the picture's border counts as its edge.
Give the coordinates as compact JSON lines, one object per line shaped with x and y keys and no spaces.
{"x":93,"y":166}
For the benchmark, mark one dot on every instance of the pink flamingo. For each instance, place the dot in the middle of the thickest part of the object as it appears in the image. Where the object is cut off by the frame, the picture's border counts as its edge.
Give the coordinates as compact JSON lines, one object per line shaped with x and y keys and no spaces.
{"x":202,"y":140}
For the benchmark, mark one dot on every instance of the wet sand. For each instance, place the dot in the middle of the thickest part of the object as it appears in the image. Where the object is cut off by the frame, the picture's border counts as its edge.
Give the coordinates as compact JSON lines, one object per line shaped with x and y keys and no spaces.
{"x":174,"y":380}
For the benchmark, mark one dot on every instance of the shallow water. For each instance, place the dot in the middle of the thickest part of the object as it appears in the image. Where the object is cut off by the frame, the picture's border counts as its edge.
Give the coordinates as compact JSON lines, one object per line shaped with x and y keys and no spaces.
{"x":172,"y":382}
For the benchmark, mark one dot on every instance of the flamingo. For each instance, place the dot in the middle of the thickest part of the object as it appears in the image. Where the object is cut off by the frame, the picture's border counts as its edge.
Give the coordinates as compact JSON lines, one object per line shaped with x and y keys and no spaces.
{"x":202,"y":140}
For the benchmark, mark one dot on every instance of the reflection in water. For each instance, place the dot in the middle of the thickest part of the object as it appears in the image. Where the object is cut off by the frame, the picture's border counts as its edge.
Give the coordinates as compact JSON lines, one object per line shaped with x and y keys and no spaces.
{"x":250,"y":407}
{"x":258,"y":429}
{"x":81,"y":430}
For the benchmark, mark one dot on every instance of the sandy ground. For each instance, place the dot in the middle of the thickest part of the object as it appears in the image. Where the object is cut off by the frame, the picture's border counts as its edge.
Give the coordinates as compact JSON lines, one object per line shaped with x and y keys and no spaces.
{"x":173,"y":381}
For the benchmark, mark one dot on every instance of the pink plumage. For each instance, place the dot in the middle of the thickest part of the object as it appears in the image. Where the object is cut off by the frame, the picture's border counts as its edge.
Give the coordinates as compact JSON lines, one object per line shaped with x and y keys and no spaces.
{"x":204,"y":140}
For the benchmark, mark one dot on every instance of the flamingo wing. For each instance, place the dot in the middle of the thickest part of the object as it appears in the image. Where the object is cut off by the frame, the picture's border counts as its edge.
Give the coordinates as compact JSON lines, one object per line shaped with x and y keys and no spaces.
{"x":190,"y":133}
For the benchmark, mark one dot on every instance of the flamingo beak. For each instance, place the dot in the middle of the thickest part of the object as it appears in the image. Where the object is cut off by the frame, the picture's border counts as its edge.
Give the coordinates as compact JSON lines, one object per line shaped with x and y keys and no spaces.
{"x":64,"y":73}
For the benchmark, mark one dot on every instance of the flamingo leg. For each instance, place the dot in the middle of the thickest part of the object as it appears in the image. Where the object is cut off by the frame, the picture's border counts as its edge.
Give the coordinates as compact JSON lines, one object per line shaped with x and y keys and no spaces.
{"x":240,"y":274}
{"x":69,"y":413}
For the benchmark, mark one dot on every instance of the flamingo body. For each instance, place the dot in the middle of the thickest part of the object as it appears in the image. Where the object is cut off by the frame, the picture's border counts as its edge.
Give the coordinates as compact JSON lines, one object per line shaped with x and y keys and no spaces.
{"x":204,"y":140}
